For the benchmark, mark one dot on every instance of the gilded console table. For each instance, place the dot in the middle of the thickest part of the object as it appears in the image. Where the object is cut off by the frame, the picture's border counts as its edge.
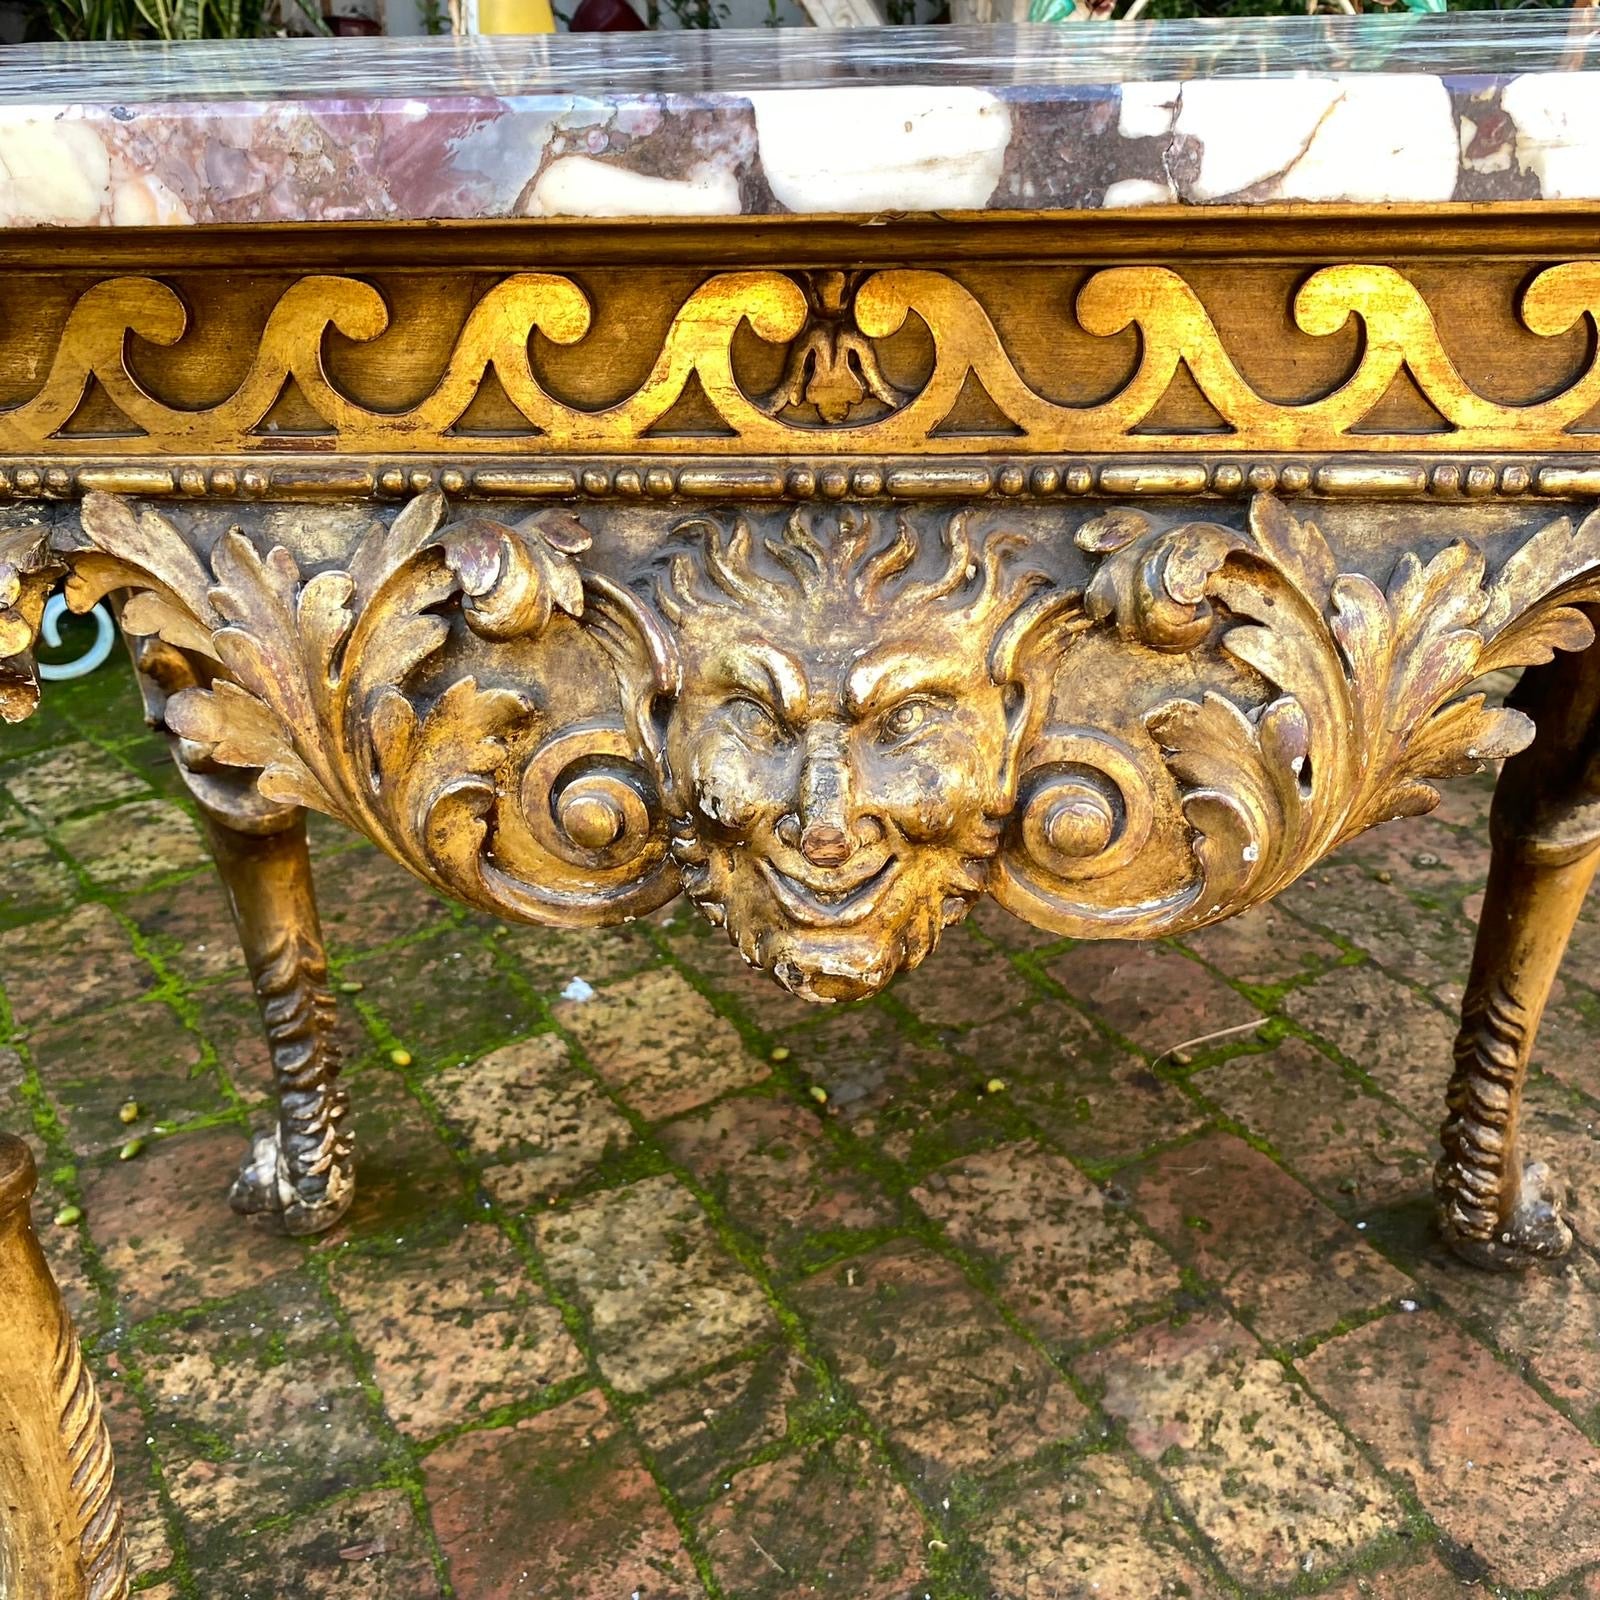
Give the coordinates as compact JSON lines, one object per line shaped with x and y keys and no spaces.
{"x":833,"y":478}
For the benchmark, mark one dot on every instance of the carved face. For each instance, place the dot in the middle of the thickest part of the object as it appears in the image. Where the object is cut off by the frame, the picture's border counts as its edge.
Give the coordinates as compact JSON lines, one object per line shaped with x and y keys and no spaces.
{"x":840,"y":756}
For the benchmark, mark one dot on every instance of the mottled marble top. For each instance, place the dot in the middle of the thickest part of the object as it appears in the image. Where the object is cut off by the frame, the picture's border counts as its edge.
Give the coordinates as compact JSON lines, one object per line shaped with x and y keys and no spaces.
{"x":1400,"y":109}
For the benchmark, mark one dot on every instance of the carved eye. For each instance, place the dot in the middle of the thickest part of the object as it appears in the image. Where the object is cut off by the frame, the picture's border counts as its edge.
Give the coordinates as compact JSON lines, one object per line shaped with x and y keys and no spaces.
{"x":754,"y":722}
{"x":903,"y":721}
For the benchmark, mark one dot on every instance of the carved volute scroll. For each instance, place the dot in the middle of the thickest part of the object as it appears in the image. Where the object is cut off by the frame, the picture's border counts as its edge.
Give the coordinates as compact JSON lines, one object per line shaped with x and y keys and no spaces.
{"x":837,"y":726}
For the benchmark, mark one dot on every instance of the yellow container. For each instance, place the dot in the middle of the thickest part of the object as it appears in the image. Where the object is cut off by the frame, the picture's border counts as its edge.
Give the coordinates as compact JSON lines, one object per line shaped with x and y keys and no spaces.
{"x":515,"y":16}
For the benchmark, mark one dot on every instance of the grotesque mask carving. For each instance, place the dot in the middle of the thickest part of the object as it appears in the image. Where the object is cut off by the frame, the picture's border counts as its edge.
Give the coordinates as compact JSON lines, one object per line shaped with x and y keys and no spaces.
{"x":841,"y":753}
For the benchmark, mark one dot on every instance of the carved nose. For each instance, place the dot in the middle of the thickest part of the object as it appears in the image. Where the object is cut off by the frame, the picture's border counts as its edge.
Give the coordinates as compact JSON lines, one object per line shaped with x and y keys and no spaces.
{"x":824,"y":844}
{"x":825,"y":806}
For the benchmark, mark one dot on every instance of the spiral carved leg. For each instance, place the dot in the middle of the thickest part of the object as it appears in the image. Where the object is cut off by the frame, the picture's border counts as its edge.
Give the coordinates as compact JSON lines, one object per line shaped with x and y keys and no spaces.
{"x":60,"y":1519}
{"x":301,"y":1173}
{"x":1498,"y":1209}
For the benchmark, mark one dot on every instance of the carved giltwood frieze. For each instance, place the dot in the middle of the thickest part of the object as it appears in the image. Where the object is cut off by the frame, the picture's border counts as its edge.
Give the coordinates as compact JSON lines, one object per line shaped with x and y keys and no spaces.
{"x":828,"y":333}
{"x":836,"y":727}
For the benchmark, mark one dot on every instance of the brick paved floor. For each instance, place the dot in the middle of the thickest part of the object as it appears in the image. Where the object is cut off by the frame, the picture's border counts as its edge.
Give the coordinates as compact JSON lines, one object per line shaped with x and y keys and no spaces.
{"x":682,"y":1288}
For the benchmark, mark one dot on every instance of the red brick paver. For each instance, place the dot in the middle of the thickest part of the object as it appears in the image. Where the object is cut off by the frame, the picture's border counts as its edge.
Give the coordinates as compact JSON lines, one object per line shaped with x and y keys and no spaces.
{"x":1068,"y":1260}
{"x":866,"y":1540}
{"x":663,"y":1295}
{"x":1288,"y":1265}
{"x":1097,"y":1529}
{"x":452,"y":1330}
{"x":1502,"y":1474}
{"x":558,"y":1507}
{"x":934,"y":1367}
{"x":1267,"y":1476}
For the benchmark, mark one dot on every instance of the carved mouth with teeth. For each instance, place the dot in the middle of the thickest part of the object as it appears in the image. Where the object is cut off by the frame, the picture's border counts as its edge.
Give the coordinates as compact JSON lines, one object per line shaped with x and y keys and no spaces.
{"x":831,"y":900}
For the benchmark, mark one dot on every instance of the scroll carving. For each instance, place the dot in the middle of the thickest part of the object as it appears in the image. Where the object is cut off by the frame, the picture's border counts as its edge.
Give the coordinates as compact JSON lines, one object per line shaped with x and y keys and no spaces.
{"x":834,"y":395}
{"x":836,"y":728}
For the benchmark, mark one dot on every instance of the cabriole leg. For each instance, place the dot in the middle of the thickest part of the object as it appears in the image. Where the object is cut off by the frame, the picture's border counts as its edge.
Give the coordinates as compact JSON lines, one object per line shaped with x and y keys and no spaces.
{"x":1496,"y":1208}
{"x":300,"y":1173}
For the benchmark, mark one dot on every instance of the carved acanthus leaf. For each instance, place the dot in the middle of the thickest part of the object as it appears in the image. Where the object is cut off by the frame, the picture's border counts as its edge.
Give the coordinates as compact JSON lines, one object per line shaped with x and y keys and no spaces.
{"x":236,"y":729}
{"x":318,"y":682}
{"x":136,"y":549}
{"x":1368,"y":701}
{"x":1558,"y":555}
{"x":1154,"y":590}
{"x":513,"y":579}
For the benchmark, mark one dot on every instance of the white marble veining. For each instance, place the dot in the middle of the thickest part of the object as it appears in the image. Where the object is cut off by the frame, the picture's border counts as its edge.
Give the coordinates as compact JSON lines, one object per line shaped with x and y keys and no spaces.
{"x":897,"y":148}
{"x":1148,"y":109}
{"x":1557,"y":118}
{"x":1362,"y":140}
{"x":51,"y":171}
{"x":1128,"y":192}
{"x":1248,"y":139}
{"x":579,"y":186}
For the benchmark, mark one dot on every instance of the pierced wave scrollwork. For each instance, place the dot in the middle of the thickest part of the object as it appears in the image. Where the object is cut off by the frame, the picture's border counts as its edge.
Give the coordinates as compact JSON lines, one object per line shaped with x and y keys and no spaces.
{"x":837,"y":730}
{"x":830,"y":325}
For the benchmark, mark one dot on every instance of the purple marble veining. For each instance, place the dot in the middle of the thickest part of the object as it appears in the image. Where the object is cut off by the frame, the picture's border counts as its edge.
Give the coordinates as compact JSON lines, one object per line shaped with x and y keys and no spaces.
{"x":348,"y":160}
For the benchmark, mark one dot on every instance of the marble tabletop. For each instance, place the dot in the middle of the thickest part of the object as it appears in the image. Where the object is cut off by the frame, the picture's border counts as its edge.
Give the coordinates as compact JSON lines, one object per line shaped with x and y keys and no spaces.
{"x":1475,"y":106}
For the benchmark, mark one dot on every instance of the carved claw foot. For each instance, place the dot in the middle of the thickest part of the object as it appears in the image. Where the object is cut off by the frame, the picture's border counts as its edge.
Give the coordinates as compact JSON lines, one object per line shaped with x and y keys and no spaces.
{"x":1535,"y":1230}
{"x":264,"y":1188}
{"x":300,"y":1176}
